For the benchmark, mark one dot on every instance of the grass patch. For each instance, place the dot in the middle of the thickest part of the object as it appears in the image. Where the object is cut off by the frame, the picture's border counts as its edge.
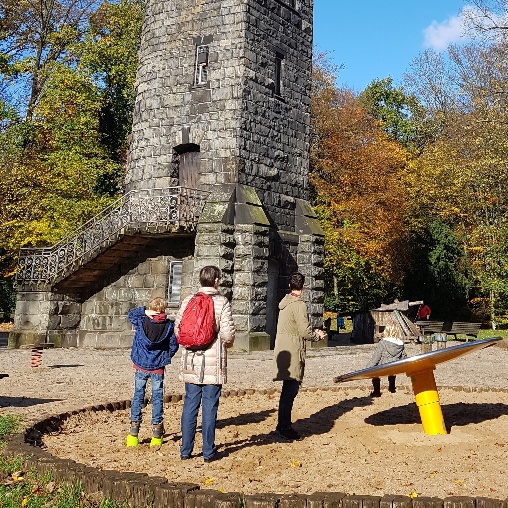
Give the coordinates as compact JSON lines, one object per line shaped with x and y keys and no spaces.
{"x":27,"y":489}
{"x":8,"y":425}
{"x":488,"y":333}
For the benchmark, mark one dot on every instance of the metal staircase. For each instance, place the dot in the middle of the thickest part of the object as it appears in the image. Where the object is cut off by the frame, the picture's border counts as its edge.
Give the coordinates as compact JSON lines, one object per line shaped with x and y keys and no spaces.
{"x":170,"y":210}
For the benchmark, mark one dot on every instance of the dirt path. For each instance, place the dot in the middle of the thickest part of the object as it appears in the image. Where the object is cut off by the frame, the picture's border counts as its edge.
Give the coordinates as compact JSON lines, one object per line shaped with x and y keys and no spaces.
{"x":352,"y":443}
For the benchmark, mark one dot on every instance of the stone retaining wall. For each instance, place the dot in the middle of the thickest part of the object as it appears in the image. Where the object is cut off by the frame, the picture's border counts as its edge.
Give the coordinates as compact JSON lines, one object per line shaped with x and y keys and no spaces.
{"x":141,"y":490}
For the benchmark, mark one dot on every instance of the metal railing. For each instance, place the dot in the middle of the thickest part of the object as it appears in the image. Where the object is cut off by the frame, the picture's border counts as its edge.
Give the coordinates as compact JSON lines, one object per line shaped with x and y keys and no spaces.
{"x":151,"y":210}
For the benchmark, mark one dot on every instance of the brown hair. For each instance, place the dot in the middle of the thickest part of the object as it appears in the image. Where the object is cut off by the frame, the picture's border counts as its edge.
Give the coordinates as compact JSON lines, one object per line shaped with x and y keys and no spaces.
{"x":208,"y":275}
{"x":296,"y":281}
{"x":157,"y":304}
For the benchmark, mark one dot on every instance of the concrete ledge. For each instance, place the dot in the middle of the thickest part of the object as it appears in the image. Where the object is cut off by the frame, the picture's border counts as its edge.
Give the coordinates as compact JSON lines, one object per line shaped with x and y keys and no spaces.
{"x":140,"y":490}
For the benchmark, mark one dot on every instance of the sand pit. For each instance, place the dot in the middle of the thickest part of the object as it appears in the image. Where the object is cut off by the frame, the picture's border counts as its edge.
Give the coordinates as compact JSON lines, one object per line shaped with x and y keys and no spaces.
{"x":351,"y":443}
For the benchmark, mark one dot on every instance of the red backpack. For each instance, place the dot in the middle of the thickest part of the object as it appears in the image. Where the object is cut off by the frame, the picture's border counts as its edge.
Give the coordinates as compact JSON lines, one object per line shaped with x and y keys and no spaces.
{"x":197,"y":326}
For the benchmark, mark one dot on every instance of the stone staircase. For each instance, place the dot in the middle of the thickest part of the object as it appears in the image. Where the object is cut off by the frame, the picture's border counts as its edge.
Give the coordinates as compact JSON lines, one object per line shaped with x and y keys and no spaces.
{"x":114,"y":234}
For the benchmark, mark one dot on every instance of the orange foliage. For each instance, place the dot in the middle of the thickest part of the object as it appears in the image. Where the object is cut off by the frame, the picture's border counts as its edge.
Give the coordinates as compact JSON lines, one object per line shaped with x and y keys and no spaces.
{"x":357,"y":173}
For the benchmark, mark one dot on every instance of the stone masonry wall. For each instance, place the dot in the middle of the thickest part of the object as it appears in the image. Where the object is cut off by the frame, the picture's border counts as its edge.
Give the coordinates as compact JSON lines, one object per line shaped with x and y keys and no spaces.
{"x":275,"y":130}
{"x":250,"y":284}
{"x":310,"y":258}
{"x":104,"y":323}
{"x":40,"y":312}
{"x":169,"y":110}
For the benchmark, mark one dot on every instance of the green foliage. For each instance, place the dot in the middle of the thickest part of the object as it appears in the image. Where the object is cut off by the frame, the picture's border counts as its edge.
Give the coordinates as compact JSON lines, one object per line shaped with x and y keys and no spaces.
{"x":8,"y":425}
{"x":439,"y":273}
{"x":110,"y":53}
{"x":64,"y":164}
{"x":401,"y":115}
{"x":7,"y":295}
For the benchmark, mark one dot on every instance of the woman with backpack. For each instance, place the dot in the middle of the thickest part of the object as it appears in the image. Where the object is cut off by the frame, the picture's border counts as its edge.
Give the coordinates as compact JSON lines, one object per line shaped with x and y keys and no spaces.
{"x":204,"y":366}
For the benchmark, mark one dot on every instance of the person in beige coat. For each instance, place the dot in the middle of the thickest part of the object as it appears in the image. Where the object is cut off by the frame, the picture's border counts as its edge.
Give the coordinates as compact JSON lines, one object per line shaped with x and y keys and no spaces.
{"x":293,"y":329}
{"x":205,"y":371}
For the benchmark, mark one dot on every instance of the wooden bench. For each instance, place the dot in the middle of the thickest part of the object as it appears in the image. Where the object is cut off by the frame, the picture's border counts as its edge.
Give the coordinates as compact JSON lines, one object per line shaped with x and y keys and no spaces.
{"x":462,"y":328}
{"x":430,"y":326}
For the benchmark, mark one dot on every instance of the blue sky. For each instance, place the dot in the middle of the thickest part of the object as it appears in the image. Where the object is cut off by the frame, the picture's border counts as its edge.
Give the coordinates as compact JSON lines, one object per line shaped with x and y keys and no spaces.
{"x":374,"y":39}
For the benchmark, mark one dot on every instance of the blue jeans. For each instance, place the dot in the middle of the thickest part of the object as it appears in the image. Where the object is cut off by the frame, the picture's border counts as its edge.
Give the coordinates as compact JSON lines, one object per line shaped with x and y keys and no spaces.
{"x":290,"y":389}
{"x":194,"y":395}
{"x":157,"y":382}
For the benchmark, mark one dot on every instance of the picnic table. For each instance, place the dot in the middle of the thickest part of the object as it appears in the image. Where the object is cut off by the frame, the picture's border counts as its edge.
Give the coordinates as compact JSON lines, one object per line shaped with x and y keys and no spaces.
{"x":420,"y":369}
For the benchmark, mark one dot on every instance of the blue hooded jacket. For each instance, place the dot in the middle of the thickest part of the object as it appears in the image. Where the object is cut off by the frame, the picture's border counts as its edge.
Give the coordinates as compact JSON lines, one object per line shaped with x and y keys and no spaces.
{"x":146,"y":354}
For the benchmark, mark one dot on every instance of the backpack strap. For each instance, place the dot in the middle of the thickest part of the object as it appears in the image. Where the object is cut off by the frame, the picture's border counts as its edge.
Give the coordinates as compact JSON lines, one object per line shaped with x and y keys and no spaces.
{"x":194,"y":354}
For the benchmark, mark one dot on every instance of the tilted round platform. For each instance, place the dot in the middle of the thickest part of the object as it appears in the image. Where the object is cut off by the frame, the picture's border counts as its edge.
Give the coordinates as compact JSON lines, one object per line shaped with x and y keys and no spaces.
{"x":420,"y":369}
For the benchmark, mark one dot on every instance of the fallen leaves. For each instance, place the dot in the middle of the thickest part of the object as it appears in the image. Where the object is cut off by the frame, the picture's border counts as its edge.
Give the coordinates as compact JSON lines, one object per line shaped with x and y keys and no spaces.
{"x":16,"y":477}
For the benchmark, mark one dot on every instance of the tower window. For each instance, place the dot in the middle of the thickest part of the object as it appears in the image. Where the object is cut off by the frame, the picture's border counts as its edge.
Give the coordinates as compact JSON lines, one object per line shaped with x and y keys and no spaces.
{"x":175,"y":282}
{"x":201,"y":67}
{"x":279,"y":72}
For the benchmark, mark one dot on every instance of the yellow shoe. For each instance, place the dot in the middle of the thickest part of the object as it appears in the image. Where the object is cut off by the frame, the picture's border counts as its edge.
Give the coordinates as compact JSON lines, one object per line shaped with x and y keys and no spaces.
{"x":156,"y":441}
{"x":132,"y":440}
{"x":157,"y":435}
{"x":132,"y":436}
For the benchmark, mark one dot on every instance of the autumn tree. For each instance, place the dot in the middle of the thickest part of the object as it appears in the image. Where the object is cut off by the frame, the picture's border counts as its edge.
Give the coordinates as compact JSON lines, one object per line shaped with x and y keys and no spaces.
{"x":34,"y":36}
{"x":63,"y":163}
{"x":461,"y":178}
{"x":355,"y":171}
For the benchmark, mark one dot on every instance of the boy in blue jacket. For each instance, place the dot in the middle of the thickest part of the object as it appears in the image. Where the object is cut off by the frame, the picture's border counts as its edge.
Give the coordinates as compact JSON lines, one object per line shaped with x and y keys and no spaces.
{"x":153,"y":346}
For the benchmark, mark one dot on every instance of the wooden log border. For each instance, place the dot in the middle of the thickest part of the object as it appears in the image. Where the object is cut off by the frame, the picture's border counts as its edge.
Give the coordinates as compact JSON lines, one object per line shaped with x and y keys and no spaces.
{"x":141,"y":490}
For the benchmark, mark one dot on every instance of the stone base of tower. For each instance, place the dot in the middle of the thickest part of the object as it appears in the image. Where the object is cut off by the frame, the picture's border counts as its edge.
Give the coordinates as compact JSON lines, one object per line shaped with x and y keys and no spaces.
{"x":234,"y":232}
{"x":256,"y":258}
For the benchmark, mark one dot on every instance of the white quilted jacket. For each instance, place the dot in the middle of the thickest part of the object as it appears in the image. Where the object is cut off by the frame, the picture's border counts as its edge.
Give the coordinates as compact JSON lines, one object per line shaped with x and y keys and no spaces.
{"x":209,"y":367}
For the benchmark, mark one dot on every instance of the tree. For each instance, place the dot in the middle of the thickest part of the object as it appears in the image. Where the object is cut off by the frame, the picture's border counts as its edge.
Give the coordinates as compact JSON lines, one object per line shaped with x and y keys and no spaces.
{"x":486,"y":18}
{"x":461,"y":178}
{"x":59,"y":169}
{"x":35,"y":35}
{"x":355,"y":172}
{"x":110,"y":53}
{"x":401,"y":115}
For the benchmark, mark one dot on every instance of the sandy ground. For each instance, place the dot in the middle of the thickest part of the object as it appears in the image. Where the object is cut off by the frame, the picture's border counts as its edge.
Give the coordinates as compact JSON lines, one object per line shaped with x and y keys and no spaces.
{"x":351,"y":442}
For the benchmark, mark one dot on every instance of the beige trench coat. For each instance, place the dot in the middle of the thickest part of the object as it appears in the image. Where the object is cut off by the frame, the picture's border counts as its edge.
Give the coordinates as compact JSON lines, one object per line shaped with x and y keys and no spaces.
{"x":293,"y":329}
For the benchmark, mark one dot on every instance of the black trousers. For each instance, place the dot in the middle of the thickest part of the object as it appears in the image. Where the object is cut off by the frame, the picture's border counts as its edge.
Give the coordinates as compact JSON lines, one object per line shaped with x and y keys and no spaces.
{"x":290,"y":389}
{"x":376,"y":383}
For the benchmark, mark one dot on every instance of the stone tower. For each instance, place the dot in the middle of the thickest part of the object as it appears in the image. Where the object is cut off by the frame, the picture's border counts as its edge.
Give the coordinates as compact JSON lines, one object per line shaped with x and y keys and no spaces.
{"x":222,"y":117}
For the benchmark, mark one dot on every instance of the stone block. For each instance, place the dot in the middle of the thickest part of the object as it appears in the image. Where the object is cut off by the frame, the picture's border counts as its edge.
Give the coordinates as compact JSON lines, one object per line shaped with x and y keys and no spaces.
{"x":158,"y":267}
{"x":125,"y":295}
{"x":259,"y":341}
{"x":17,"y":339}
{"x":136,"y":281}
{"x":69,"y":321}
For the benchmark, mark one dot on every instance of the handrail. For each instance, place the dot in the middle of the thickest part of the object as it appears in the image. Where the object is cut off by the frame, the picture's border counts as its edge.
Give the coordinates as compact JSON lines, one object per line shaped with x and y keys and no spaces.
{"x":146,"y":209}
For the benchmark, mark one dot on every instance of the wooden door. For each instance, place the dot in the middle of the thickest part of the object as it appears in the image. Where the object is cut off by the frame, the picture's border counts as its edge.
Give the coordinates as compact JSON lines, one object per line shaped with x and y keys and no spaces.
{"x":188,"y":169}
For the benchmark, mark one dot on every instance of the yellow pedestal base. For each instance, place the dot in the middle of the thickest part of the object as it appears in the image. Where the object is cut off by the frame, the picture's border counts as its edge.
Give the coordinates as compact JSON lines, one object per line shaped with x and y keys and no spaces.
{"x":427,"y":400}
